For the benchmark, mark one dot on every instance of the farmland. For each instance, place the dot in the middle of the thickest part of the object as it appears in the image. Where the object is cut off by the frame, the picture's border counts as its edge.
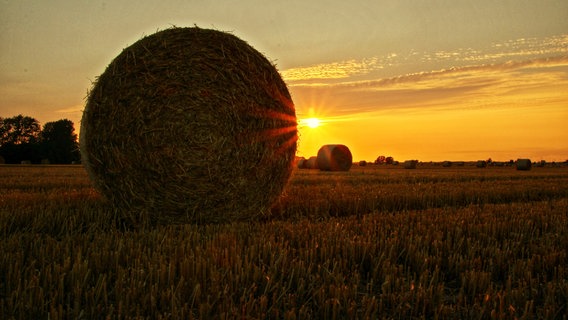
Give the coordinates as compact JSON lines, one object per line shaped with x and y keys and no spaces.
{"x":375,"y":242}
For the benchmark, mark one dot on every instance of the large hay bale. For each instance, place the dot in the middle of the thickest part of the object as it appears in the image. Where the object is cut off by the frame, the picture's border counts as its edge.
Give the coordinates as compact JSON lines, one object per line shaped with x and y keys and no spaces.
{"x":524,"y":164}
{"x":334,"y":157}
{"x":189,"y":125}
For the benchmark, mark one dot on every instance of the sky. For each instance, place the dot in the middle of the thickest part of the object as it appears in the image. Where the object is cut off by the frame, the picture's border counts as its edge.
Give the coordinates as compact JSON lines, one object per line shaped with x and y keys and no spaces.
{"x":429,"y":80}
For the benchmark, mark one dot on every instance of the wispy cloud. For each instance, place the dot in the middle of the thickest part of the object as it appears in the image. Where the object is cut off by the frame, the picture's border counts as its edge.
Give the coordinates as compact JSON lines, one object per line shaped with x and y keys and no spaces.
{"x":71,"y":110}
{"x":334,"y":70}
{"x":507,"y":54}
{"x":474,"y":86}
{"x":456,"y":73}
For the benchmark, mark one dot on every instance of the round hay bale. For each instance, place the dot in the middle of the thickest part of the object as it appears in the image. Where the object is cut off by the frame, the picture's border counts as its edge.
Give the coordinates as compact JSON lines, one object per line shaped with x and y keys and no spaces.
{"x":481,"y":164}
{"x":446,"y":164}
{"x":362,"y":163}
{"x":189,"y":125}
{"x":410,"y":164}
{"x":312,"y":163}
{"x":334,"y":157}
{"x":524,"y":164}
{"x":301,"y":163}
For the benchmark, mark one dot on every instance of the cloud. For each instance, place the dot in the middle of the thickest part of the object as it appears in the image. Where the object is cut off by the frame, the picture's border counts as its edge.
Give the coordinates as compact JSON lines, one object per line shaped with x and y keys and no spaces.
{"x":512,"y":83}
{"x":72,"y":109}
{"x":334,"y":70}
{"x":498,"y":54}
{"x":460,"y":72}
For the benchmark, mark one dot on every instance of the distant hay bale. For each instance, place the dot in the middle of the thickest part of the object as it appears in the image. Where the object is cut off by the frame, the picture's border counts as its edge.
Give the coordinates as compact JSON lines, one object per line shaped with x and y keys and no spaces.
{"x":334,"y":157}
{"x":362,"y":163}
{"x":446,"y":164}
{"x":301,"y":163}
{"x":312,"y":163}
{"x":189,"y":125}
{"x":410,"y":164}
{"x":524,"y":164}
{"x":26,"y":162}
{"x":481,"y":164}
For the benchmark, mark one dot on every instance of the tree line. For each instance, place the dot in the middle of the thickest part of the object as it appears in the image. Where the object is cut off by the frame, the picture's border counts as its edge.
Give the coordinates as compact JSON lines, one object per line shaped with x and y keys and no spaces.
{"x":22,"y":139}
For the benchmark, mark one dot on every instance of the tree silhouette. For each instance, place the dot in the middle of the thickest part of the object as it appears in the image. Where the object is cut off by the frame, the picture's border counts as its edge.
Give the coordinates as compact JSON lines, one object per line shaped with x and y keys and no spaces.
{"x":19,"y":129}
{"x":59,"y":142}
{"x":19,"y":138}
{"x":380,"y":160}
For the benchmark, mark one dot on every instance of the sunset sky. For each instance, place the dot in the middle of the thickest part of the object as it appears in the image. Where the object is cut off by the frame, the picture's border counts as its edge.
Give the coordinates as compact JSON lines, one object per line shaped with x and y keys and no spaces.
{"x":428,"y":80}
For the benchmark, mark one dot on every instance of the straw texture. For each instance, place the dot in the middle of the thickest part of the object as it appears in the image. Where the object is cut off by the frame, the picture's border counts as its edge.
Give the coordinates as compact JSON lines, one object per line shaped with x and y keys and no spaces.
{"x":189,"y":125}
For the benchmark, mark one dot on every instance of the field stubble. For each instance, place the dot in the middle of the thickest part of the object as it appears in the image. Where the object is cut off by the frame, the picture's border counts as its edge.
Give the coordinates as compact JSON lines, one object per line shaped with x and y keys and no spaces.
{"x":376,"y":242}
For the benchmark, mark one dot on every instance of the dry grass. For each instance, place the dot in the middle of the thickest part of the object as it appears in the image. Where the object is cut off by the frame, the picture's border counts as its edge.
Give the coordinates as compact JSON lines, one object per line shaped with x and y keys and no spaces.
{"x":376,"y":242}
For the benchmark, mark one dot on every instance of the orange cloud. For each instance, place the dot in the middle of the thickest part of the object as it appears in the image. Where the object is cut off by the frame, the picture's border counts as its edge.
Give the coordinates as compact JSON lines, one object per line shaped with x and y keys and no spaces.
{"x":334,"y":70}
{"x":441,"y":88}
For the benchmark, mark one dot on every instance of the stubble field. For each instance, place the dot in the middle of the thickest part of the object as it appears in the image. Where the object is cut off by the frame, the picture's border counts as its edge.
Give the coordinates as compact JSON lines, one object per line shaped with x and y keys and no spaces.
{"x":378,"y":242}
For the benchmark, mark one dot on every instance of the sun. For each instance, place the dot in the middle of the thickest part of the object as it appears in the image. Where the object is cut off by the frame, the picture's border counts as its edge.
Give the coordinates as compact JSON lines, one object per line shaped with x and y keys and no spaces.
{"x":312,"y":122}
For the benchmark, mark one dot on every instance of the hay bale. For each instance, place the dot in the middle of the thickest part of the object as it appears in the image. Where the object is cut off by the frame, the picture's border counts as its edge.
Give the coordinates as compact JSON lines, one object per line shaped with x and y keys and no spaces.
{"x":334,"y":157}
{"x":362,"y":163}
{"x":524,"y":164}
{"x":189,"y":125}
{"x":481,"y":164}
{"x":410,"y":164}
{"x":301,"y":163}
{"x":446,"y":164}
{"x":312,"y":163}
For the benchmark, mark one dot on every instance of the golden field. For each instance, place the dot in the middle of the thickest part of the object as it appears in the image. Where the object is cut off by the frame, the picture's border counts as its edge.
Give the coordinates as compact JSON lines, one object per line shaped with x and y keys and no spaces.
{"x":378,"y":242}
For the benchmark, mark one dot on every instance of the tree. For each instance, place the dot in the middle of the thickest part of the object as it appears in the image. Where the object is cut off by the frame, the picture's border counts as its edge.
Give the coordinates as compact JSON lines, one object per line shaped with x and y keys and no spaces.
{"x":19,"y":139}
{"x":384,"y":160}
{"x":18,"y":130}
{"x":59,"y":142}
{"x":380,"y":160}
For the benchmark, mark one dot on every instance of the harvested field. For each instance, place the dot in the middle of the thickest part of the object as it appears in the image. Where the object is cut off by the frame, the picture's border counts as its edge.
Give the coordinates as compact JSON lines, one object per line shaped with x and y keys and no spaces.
{"x":374,"y":242}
